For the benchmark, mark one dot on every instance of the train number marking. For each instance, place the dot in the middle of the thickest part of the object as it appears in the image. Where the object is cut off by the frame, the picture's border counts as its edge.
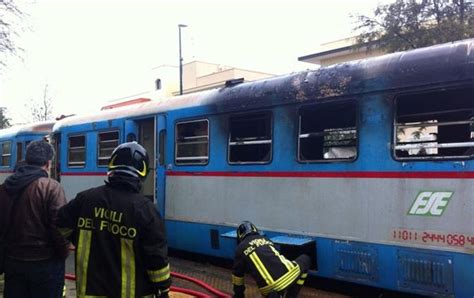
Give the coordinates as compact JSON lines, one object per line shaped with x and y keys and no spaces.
{"x":430,"y":203}
{"x":435,"y":238}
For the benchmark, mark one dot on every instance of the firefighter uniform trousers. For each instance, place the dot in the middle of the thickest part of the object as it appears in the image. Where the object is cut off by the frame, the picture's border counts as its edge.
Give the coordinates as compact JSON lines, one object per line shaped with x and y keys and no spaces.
{"x":274,"y":274}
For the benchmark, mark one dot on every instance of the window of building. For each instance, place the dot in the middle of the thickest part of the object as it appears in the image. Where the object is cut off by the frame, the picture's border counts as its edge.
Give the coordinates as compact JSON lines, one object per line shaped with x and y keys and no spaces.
{"x":434,"y":125}
{"x":250,"y":138}
{"x":76,"y":151}
{"x":106,"y":143}
{"x":327,"y":132}
{"x":192,"y":142}
{"x":6,"y":153}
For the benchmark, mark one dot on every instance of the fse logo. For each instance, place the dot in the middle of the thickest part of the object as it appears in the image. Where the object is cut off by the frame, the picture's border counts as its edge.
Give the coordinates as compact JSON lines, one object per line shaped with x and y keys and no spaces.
{"x":430,"y":203}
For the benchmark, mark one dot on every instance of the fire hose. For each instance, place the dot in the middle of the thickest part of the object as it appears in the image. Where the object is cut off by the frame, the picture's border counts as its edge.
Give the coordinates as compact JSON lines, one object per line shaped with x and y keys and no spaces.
{"x":207,"y":287}
{"x":202,"y":284}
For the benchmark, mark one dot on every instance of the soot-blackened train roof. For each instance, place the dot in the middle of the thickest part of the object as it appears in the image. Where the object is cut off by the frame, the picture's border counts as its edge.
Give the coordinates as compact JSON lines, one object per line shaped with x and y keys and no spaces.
{"x":451,"y":62}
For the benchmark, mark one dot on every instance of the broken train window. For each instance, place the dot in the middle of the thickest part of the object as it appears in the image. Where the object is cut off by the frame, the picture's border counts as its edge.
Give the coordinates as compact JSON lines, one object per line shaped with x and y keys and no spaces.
{"x":192,"y":142}
{"x":327,"y":132}
{"x":434,"y":125}
{"x":250,"y":138}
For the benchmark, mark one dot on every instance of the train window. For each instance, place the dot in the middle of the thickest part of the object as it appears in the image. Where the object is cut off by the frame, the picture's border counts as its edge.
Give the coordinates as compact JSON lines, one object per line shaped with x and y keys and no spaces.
{"x":192,"y":142}
{"x":106,"y":143}
{"x":434,"y":125}
{"x":250,"y":138}
{"x":327,"y":132}
{"x":76,"y":151}
{"x":6,"y":153}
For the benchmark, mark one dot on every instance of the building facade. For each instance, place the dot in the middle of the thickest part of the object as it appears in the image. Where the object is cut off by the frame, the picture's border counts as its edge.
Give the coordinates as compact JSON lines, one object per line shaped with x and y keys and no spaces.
{"x":339,"y":51}
{"x":199,"y":76}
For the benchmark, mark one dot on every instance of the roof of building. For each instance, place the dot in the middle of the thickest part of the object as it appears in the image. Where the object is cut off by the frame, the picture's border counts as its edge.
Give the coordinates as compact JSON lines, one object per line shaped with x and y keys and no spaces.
{"x":316,"y":58}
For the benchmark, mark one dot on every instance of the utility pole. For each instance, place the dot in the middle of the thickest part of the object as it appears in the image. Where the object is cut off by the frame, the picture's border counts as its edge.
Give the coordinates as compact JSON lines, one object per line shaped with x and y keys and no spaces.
{"x":180,"y":60}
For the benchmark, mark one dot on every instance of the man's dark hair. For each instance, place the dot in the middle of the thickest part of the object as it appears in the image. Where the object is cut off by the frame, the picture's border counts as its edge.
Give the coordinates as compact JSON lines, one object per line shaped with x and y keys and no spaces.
{"x":38,"y":153}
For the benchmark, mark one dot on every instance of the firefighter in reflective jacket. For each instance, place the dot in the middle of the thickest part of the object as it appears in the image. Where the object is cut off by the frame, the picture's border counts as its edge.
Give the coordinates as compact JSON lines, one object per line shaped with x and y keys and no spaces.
{"x":275,"y":275}
{"x":121,"y":248}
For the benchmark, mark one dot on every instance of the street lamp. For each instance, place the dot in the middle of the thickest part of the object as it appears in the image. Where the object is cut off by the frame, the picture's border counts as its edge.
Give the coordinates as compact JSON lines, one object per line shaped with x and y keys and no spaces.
{"x":180,"y":60}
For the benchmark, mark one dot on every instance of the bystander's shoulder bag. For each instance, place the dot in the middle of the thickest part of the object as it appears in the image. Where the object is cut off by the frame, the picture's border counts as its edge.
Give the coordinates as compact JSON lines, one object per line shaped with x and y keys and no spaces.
{"x":4,"y":231}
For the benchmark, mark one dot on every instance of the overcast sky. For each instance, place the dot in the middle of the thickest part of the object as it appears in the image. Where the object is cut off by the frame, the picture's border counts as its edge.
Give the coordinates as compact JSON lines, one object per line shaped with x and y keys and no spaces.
{"x":91,"y":52}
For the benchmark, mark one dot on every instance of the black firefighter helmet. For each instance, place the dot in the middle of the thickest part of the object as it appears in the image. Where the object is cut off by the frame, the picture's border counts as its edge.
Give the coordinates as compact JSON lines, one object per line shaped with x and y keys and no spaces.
{"x":246,"y":228}
{"x":130,"y":159}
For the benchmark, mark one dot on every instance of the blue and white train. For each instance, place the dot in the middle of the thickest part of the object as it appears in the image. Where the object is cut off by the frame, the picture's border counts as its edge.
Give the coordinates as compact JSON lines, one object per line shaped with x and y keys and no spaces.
{"x":366,"y":166}
{"x":13,"y":142}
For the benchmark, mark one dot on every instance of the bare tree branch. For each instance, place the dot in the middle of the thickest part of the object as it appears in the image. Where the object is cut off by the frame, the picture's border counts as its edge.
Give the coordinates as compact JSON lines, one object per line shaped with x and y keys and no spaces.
{"x":42,"y":110}
{"x":10,"y":19}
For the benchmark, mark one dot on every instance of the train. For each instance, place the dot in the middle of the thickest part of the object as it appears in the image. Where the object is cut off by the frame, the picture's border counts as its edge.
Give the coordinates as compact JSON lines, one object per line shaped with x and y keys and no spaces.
{"x":13,"y":142}
{"x":365,"y":166}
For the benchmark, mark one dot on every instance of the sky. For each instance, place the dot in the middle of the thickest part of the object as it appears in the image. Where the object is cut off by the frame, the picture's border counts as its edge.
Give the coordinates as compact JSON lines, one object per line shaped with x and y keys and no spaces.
{"x":90,"y":52}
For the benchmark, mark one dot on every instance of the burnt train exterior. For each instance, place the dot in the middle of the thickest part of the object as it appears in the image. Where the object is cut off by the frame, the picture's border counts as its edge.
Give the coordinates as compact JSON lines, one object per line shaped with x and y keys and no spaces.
{"x":366,"y":166}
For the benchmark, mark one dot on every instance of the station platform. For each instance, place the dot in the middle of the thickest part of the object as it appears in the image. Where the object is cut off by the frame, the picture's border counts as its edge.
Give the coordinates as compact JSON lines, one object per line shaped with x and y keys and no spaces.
{"x":215,"y":276}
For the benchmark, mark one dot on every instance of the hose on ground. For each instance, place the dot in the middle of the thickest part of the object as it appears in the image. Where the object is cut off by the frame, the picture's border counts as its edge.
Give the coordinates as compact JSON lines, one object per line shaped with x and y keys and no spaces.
{"x":202,"y":284}
{"x":196,"y":281}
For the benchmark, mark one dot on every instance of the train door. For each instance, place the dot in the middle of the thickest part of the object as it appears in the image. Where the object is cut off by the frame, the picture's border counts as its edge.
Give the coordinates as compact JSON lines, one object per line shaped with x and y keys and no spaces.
{"x":161,"y":163}
{"x":19,"y":151}
{"x":56,"y":166}
{"x":146,"y":138}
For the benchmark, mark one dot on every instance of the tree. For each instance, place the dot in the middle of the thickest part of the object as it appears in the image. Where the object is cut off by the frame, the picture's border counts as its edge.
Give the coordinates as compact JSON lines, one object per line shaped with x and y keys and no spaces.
{"x":9,"y":15}
{"x":410,"y":24}
{"x":42,"y":110}
{"x":4,"y":120}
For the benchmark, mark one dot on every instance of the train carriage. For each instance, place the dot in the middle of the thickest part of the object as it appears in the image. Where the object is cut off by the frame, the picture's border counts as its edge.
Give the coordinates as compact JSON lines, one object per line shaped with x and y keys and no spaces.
{"x":13,"y":142}
{"x":365,"y":166}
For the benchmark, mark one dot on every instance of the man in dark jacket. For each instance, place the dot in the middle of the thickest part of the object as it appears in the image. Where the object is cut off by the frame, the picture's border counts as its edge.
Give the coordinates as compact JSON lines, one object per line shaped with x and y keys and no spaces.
{"x":121,"y":248}
{"x":34,"y":265}
{"x":275,"y":275}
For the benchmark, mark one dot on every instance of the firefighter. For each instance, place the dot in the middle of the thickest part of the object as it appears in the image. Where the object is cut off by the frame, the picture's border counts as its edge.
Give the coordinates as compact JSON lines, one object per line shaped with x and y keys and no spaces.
{"x":121,"y":248}
{"x":275,"y":275}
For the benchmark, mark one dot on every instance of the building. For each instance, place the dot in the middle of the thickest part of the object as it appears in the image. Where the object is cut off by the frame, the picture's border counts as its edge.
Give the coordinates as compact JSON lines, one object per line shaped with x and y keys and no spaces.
{"x":339,"y":51}
{"x":199,"y":76}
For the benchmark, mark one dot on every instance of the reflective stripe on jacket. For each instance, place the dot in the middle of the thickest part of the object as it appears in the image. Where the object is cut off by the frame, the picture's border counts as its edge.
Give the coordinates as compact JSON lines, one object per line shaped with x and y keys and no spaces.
{"x":271,"y":270}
